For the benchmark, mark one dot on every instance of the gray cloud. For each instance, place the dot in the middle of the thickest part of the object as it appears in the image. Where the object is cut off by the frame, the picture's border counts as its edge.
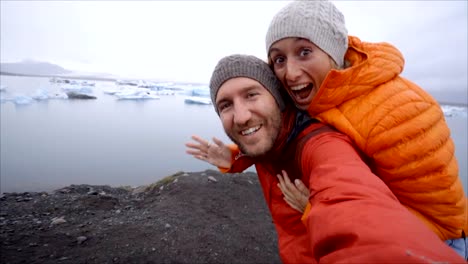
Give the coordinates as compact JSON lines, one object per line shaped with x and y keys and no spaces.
{"x":185,"y":39}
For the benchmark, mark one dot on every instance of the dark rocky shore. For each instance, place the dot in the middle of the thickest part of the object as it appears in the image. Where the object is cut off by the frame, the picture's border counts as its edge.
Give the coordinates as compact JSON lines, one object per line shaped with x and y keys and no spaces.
{"x":203,"y":217}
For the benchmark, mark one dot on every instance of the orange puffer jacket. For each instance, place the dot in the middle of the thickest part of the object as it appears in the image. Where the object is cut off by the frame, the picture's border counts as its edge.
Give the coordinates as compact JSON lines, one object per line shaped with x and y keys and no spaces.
{"x":401,"y":128}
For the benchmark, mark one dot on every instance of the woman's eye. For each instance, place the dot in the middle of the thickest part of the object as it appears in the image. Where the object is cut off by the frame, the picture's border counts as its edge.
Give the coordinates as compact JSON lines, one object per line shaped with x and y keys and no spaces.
{"x":278,"y":60}
{"x":305,"y":52}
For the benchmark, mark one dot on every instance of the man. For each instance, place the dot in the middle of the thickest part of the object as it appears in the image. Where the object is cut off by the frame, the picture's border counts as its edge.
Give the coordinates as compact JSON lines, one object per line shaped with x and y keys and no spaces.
{"x":354,"y":217}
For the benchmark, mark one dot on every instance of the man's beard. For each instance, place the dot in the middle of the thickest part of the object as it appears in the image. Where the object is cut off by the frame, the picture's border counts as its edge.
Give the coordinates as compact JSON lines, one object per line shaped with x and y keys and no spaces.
{"x":244,"y":150}
{"x":270,"y":141}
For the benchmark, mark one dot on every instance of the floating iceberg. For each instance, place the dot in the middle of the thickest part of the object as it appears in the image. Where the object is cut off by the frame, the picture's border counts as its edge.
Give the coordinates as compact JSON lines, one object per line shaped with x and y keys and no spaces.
{"x":111,"y":91}
{"x":40,"y":94}
{"x":22,"y":99}
{"x":4,"y":99}
{"x":198,"y":95}
{"x":77,"y":95}
{"x":197,"y":100}
{"x":78,"y":89}
{"x":58,"y":96}
{"x":136,"y":94}
{"x":454,"y":111}
{"x":79,"y":92}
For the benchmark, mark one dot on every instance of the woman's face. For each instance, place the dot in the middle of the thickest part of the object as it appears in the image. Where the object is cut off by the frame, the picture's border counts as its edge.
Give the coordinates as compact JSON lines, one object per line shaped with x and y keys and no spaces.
{"x":301,"y":67}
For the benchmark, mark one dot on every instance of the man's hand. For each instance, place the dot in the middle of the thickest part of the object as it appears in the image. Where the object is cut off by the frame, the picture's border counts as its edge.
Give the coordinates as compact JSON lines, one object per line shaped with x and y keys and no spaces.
{"x":215,"y":153}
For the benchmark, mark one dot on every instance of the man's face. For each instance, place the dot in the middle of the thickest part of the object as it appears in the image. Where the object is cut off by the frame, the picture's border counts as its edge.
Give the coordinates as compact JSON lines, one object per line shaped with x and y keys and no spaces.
{"x":250,"y":115}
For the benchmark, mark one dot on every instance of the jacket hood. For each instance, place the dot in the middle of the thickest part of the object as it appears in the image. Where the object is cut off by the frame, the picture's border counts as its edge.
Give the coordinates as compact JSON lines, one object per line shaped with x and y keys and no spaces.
{"x":370,"y":64}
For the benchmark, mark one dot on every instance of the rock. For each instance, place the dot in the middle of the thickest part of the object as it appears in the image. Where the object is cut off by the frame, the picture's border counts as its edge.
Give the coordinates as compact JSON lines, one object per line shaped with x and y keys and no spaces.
{"x":81,"y":239}
{"x":212,"y":179}
{"x":139,"y":189}
{"x":58,"y":220}
{"x":92,"y":192}
{"x":63,"y":190}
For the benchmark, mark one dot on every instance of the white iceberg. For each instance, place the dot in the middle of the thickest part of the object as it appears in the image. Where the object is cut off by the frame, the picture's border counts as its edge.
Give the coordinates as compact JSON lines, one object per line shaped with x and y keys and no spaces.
{"x":164,"y":92}
{"x":22,"y":99}
{"x":198,"y":95}
{"x":79,"y":92}
{"x":40,"y":94}
{"x":58,"y":96}
{"x":197,"y":100}
{"x":4,"y":99}
{"x":454,"y":111}
{"x":136,"y":94}
{"x":111,"y":91}
{"x":78,"y":89}
{"x":43,"y":94}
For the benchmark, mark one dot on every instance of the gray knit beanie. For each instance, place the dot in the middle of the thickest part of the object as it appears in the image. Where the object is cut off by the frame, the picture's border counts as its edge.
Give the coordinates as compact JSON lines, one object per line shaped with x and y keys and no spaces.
{"x":319,"y":21}
{"x":245,"y":66}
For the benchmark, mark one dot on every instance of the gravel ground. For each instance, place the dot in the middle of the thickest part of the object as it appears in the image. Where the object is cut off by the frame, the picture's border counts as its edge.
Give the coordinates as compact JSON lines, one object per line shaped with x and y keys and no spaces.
{"x":199,"y":217}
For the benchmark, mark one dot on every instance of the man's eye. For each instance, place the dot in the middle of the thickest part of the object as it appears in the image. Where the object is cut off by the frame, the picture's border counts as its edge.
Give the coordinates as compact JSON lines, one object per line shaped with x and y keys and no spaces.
{"x":223,"y":106}
{"x":250,"y":95}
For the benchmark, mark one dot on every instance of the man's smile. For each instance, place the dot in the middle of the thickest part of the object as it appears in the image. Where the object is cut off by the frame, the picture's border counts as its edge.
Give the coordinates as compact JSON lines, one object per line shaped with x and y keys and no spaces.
{"x":250,"y":130}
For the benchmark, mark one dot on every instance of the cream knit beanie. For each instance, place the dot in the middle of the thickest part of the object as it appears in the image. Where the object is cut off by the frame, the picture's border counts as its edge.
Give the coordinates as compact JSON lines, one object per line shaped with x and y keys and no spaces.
{"x":319,"y":21}
{"x":245,"y":66}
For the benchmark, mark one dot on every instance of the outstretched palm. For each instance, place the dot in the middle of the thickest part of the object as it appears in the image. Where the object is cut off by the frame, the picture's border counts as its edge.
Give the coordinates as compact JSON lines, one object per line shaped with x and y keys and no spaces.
{"x":215,"y":153}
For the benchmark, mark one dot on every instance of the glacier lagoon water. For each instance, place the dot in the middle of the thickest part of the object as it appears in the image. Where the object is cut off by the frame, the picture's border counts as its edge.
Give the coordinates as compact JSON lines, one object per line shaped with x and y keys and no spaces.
{"x":49,"y":144}
{"x":53,"y":143}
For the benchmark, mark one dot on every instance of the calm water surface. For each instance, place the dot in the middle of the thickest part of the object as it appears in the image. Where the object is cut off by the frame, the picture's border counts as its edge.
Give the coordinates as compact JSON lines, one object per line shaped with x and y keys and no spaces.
{"x":45,"y":145}
{"x":51,"y":144}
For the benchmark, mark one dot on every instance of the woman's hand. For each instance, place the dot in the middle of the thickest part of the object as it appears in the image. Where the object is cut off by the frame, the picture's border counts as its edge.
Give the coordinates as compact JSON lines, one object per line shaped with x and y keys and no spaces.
{"x":215,"y":153}
{"x":296,"y":195}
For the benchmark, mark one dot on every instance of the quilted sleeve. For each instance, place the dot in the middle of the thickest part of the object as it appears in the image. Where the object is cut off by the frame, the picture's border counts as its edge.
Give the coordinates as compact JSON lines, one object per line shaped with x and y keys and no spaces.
{"x":355,"y":218}
{"x":239,"y":161}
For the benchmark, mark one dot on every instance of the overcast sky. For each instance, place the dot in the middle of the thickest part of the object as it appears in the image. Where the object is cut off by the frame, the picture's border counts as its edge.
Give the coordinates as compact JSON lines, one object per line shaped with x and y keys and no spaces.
{"x":183,"y":40}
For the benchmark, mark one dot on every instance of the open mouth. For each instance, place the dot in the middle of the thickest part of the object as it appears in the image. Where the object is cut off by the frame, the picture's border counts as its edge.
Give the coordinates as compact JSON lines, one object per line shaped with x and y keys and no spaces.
{"x":250,"y":130}
{"x":302,"y":91}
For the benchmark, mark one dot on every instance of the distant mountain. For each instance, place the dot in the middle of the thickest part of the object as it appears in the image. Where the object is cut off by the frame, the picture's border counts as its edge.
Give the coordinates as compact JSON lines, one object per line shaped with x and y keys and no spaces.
{"x":29,"y":67}
{"x":38,"y":68}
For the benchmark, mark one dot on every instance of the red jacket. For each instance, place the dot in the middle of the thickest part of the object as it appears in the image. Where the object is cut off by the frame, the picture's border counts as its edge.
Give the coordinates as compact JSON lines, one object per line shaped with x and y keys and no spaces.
{"x":354,"y":217}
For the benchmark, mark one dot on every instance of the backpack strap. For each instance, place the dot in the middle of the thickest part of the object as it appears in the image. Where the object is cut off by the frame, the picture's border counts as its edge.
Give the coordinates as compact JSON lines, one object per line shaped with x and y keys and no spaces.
{"x":292,"y":156}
